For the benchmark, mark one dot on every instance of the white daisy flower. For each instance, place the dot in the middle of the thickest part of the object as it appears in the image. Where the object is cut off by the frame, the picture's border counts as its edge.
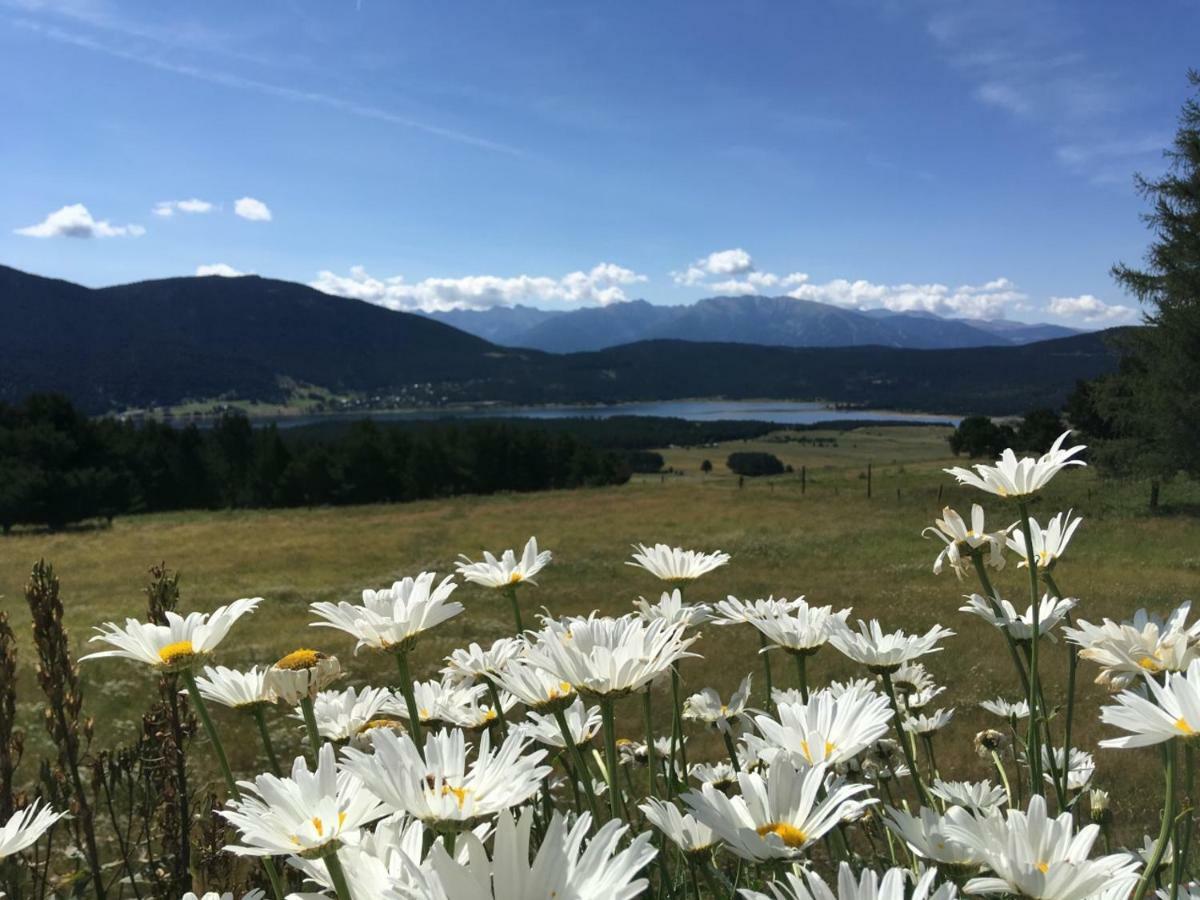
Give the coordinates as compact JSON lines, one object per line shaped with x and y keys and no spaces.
{"x":927,"y":836}
{"x":443,"y":790}
{"x":803,"y":629}
{"x":183,"y":643}
{"x":1049,"y":543}
{"x":671,"y":608}
{"x":392,"y":619}
{"x":341,"y":715}
{"x":308,"y":815}
{"x":476,"y":664}
{"x":1173,"y":711}
{"x":583,"y":723}
{"x":962,"y":541}
{"x":1006,"y":709}
{"x":25,"y":827}
{"x":778,"y":814}
{"x":1079,"y":772}
{"x":237,"y":690}
{"x":719,"y":774}
{"x":604,"y":657}
{"x":213,"y":895}
{"x":507,"y":571}
{"x":563,"y":866}
{"x":808,"y":885}
{"x":1146,"y":644}
{"x":674,"y":564}
{"x":302,"y":673}
{"x":912,"y":678}
{"x":1018,"y":478}
{"x":683,"y":829}
{"x":1051,"y":611}
{"x":1036,"y":856}
{"x":979,"y":796}
{"x":538,"y":689}
{"x":919,"y":699}
{"x":881,"y":652}
{"x":732,"y":611}
{"x":706,"y":707}
{"x":928,"y":723}
{"x":451,"y":703}
{"x":829,"y":728}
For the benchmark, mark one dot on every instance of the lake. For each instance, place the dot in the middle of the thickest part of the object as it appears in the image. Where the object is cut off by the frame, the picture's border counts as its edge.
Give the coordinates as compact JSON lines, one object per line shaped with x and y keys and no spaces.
{"x":784,"y":412}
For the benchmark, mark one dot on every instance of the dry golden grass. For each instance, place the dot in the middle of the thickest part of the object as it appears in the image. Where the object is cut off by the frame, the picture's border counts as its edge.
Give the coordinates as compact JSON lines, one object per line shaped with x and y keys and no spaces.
{"x":831,"y":544}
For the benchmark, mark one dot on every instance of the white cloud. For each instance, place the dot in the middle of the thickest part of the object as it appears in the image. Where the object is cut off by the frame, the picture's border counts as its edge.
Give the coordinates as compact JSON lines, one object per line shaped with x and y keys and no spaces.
{"x":223,"y":269}
{"x":168,"y":208}
{"x":758,"y":283}
{"x":1091,"y":310}
{"x":602,"y":284}
{"x":254,"y":210}
{"x":75,"y":221}
{"x":722,"y":262}
{"x":982,"y":301}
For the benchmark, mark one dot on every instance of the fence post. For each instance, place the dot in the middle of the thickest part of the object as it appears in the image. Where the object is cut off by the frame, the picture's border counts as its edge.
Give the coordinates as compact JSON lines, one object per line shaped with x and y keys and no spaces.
{"x":868,"y":481}
{"x":803,"y":478}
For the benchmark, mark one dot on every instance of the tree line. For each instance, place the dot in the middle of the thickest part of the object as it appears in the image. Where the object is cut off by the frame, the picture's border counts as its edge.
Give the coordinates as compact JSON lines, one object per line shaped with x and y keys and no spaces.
{"x":58,"y":467}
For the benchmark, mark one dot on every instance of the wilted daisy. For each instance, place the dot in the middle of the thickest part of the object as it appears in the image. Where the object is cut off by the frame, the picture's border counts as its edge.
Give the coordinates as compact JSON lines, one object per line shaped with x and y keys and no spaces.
{"x":1007,"y":709}
{"x":1049,"y":543}
{"x":563,"y":866}
{"x":881,"y":652}
{"x":962,"y":542}
{"x":300,"y":674}
{"x":1145,"y":644}
{"x":671,"y":608}
{"x":981,"y":796}
{"x":675,"y":564}
{"x":237,"y":690}
{"x":474,"y":663}
{"x":803,"y":629}
{"x":1172,"y":712}
{"x":828,"y":728}
{"x":1099,"y":806}
{"x":926,"y":835}
{"x":991,"y":741}
{"x":341,"y":715}
{"x":25,"y":827}
{"x":1051,"y":611}
{"x":884,"y":760}
{"x":308,"y":815}
{"x":808,"y":885}
{"x":507,"y":570}
{"x":1012,"y":477}
{"x":732,"y":611}
{"x":606,"y":657}
{"x":1081,"y":766}
{"x":183,"y":643}
{"x":582,"y":725}
{"x":706,"y":707}
{"x":682,"y":829}
{"x":928,"y":723}
{"x":777,"y":814}
{"x":443,"y":789}
{"x":1033,"y":855}
{"x":392,"y":619}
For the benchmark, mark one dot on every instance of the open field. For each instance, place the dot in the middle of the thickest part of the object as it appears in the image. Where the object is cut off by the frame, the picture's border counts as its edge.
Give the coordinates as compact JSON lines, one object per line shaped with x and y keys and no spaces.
{"x":831,"y":543}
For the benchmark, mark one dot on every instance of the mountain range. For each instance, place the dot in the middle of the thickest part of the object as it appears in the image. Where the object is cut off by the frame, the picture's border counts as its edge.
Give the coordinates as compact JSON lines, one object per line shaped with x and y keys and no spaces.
{"x":769,"y":321}
{"x":177,"y":340}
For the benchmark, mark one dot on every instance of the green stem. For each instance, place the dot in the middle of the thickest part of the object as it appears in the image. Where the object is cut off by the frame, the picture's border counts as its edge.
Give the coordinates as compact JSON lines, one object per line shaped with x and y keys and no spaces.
{"x":990,"y":593}
{"x":581,"y":766}
{"x":766,"y":658}
{"x":1168,"y":821}
{"x":495,"y":695}
{"x":802,"y":674}
{"x":650,"y":764}
{"x":1184,"y":847}
{"x":1004,"y":778}
{"x":677,"y":723}
{"x":695,"y":881}
{"x":189,"y":680}
{"x":310,"y":726}
{"x":410,"y":702}
{"x":731,"y":747}
{"x":511,"y":593}
{"x":1072,"y":667}
{"x":338,"y":876}
{"x":927,"y":740}
{"x":902,"y":737}
{"x":1034,"y":748}
{"x":260,"y":719}
{"x":610,"y":755}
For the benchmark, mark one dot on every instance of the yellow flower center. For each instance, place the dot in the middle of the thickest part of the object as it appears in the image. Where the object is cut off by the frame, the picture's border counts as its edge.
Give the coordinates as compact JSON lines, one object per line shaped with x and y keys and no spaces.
{"x":830,"y":746}
{"x":1184,"y":727}
{"x":1043,"y":867}
{"x":789,"y":834}
{"x":176,"y":652}
{"x":459,"y":794}
{"x":381,"y":723}
{"x":300,"y":659}
{"x":1151,"y":664}
{"x":515,"y":577}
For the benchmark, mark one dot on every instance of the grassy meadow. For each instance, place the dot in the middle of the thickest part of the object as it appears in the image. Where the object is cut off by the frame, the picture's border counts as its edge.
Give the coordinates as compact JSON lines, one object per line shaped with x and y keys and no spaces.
{"x":831,"y":543}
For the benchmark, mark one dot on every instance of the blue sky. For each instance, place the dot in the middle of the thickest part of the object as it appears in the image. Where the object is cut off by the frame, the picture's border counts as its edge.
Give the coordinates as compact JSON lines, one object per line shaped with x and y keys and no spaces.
{"x":970,"y":158}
